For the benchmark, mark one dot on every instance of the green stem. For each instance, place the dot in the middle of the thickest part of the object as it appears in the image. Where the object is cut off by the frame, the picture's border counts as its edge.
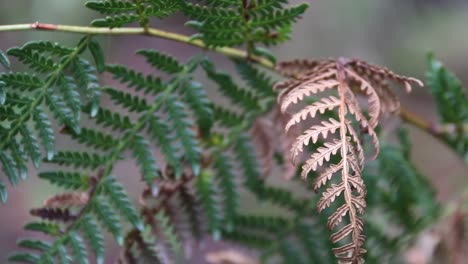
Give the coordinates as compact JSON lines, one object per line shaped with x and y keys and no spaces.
{"x":230,"y":52}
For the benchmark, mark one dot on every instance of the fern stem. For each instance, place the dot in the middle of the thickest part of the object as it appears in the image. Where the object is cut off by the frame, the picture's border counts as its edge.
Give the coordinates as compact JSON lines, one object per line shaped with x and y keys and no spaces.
{"x":230,"y":52}
{"x":438,"y":131}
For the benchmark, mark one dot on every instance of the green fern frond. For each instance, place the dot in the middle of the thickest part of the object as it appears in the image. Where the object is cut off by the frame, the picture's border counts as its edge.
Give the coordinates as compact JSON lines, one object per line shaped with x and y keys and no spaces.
{"x":78,"y":159}
{"x":226,"y":183}
{"x":242,"y":97}
{"x":21,"y":80}
{"x":133,"y":103}
{"x":111,"y":119}
{"x":94,"y":237}
{"x":452,"y":104}
{"x":85,"y":77}
{"x":92,"y":138}
{"x":149,"y":84}
{"x":183,"y":129}
{"x":31,"y":145}
{"x":145,"y":159}
{"x":51,"y":229}
{"x":259,"y":81}
{"x":161,"y":61}
{"x":49,"y":47}
{"x":45,"y":131}
{"x":160,"y":132}
{"x":197,"y":100}
{"x":111,"y":6}
{"x":115,"y":21}
{"x":68,"y":180}
{"x":33,"y":59}
{"x":225,"y":117}
{"x":79,"y":251}
{"x":4,"y":61}
{"x":62,"y":112}
{"x":106,"y":216}
{"x":119,"y":199}
{"x":245,"y":155}
{"x":63,"y":256}
{"x":207,"y":196}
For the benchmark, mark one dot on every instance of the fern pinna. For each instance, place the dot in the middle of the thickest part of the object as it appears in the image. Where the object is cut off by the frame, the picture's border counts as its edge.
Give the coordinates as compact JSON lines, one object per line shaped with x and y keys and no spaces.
{"x":201,"y":160}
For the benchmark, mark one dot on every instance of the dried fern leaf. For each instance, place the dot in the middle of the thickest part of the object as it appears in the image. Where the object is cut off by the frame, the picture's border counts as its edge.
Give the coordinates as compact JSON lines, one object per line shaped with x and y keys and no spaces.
{"x":349,"y":78}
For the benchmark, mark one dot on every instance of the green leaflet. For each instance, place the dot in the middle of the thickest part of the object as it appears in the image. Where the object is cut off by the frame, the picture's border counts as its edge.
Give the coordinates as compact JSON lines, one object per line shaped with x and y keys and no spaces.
{"x":4,"y":61}
{"x":108,"y":218}
{"x":144,"y":157}
{"x":98,"y":54}
{"x":226,"y":183}
{"x":119,"y":198}
{"x":161,"y":61}
{"x":78,"y":247}
{"x":68,"y":180}
{"x":183,"y":129}
{"x":206,"y":192}
{"x":78,"y":159}
{"x":94,"y":236}
{"x":452,"y":104}
{"x":149,"y":84}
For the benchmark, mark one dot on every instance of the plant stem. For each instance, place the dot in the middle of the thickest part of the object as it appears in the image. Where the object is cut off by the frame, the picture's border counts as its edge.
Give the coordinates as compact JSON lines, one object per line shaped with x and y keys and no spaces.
{"x":230,"y":52}
{"x":435,"y":130}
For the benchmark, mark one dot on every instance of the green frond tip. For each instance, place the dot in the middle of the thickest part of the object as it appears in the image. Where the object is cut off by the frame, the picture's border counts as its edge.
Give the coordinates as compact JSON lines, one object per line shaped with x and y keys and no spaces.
{"x":261,"y":83}
{"x":242,"y":97}
{"x":224,"y":173}
{"x":111,"y":6}
{"x":62,"y":111}
{"x":24,"y":258}
{"x":46,"y":133}
{"x":78,"y":159}
{"x":33,"y":244}
{"x":78,"y":247}
{"x":94,"y":237}
{"x":119,"y":198}
{"x":145,"y":159}
{"x":207,"y":196}
{"x":149,"y":84}
{"x":98,"y":54}
{"x":184,"y":131}
{"x":4,"y":61}
{"x":452,"y":104}
{"x":47,"y":46}
{"x":68,"y":180}
{"x":35,"y":60}
{"x":22,"y":81}
{"x":51,"y":229}
{"x":115,"y":21}
{"x":9,"y":167}
{"x":3,"y":193}
{"x":161,"y":61}
{"x":106,"y":216}
{"x":197,"y":99}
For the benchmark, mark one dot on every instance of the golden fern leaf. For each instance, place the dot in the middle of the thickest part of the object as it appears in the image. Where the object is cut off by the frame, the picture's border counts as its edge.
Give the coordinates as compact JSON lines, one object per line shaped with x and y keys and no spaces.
{"x":349,"y":78}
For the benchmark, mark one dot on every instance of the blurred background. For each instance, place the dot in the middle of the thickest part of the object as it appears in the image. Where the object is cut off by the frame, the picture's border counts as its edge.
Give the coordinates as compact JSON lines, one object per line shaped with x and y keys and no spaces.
{"x":397,"y":34}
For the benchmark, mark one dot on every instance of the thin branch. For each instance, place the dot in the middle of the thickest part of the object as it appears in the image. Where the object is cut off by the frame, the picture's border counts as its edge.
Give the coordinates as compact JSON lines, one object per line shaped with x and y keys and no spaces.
{"x":436,"y":130}
{"x":230,"y":52}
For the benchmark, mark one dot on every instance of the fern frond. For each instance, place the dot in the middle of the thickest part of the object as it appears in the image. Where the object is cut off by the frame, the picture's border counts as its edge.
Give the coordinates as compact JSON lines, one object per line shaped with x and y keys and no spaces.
{"x":106,"y":216}
{"x":93,"y":138}
{"x":161,"y":61}
{"x":148,"y":84}
{"x":183,"y":128}
{"x":318,"y":76}
{"x":78,"y":159}
{"x":145,"y":159}
{"x":22,"y":80}
{"x":94,"y":237}
{"x":206,"y":192}
{"x":68,"y":180}
{"x":78,"y":247}
{"x":226,"y":177}
{"x":111,"y":6}
{"x":119,"y":198}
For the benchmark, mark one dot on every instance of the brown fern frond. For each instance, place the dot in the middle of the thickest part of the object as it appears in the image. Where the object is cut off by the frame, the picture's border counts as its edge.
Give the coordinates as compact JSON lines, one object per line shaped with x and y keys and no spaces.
{"x":349,"y":78}
{"x":67,"y":199}
{"x":53,"y":214}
